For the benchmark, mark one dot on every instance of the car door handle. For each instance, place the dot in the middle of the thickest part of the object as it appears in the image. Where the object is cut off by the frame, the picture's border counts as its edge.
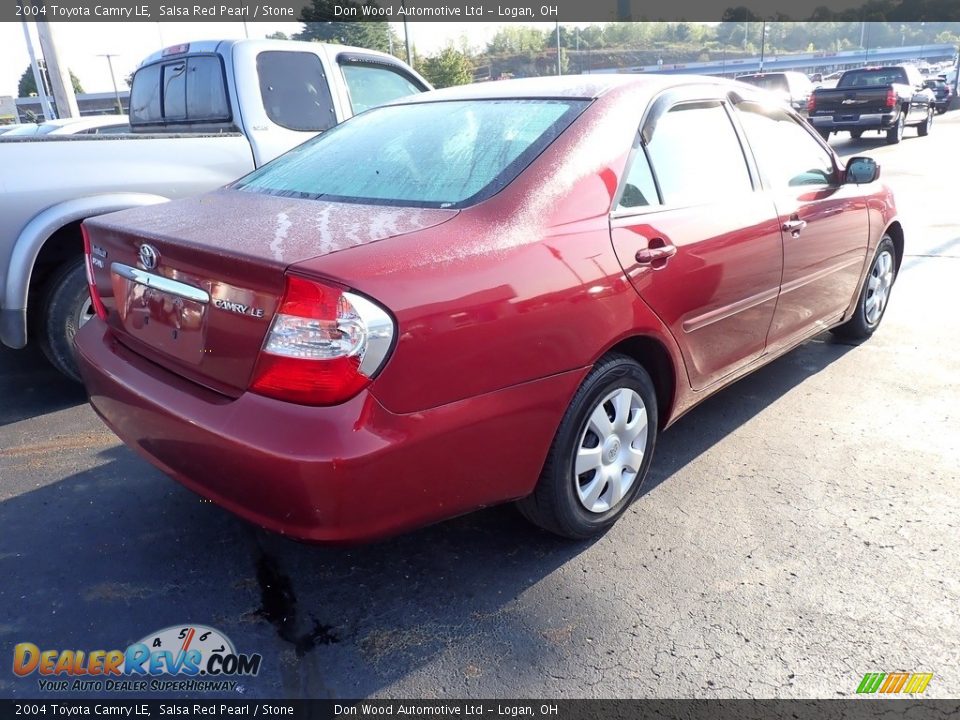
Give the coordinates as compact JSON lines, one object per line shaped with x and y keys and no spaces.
{"x":794,"y":226}
{"x":651,"y":255}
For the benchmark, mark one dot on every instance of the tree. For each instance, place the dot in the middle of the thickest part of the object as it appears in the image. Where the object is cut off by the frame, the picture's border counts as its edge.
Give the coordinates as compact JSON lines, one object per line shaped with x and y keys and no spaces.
{"x":277,"y":36}
{"x":318,"y":27}
{"x":449,"y":67}
{"x":28,"y":85}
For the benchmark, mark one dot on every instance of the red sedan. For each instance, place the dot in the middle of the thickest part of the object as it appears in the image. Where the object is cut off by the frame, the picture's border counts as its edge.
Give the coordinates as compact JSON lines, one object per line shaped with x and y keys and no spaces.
{"x":483,"y":294}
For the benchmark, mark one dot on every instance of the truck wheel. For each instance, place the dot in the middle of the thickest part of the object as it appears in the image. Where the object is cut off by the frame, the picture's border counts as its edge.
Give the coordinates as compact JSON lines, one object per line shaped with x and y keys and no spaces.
{"x":600,"y":454}
{"x":825,"y":134}
{"x":923,"y":129}
{"x":65,"y":307}
{"x":856,"y":134}
{"x":895,"y":134}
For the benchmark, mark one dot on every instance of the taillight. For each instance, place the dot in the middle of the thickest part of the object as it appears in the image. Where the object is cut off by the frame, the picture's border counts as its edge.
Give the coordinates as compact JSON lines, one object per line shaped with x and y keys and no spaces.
{"x":891,"y":101}
{"x":811,"y":103}
{"x":324,"y":345}
{"x":91,"y":283}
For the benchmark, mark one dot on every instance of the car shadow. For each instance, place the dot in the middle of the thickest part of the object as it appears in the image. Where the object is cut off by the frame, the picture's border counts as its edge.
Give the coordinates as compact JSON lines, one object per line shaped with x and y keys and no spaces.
{"x":847,"y":146}
{"x":30,"y":386}
{"x":116,"y":551}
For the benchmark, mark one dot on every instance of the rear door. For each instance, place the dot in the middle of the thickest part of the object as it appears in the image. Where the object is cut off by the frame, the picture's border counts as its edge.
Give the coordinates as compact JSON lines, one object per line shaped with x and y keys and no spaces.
{"x":824,"y":223}
{"x":699,"y":243}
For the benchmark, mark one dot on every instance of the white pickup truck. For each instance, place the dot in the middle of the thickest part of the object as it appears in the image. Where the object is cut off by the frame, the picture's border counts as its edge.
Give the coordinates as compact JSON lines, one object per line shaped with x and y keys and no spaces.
{"x":201,"y":115}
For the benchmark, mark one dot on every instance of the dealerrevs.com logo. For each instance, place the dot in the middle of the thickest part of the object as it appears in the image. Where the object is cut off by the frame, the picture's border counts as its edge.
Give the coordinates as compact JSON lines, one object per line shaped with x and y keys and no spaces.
{"x":189,"y":658}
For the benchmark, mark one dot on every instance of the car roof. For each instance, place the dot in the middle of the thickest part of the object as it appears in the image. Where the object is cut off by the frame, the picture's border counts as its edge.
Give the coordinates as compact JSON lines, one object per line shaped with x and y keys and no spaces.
{"x":582,"y":87}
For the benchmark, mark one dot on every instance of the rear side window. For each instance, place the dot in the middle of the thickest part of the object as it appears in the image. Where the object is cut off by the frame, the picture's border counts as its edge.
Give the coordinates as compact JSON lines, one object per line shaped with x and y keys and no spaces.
{"x":697,"y":156}
{"x":437,"y":154}
{"x":373,"y":85}
{"x":294,"y":90}
{"x":191,"y":89}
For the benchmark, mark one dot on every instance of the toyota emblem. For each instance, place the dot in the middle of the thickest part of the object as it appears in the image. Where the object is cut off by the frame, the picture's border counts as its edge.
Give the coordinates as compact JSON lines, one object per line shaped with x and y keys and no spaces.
{"x":149,"y":256}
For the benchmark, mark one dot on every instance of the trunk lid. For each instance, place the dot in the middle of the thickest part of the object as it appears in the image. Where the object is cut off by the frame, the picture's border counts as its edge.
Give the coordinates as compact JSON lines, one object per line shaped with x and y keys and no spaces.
{"x":194,"y":284}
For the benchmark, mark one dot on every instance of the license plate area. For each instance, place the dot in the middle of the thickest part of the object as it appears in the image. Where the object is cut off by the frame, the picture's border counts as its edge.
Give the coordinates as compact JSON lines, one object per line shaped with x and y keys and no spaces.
{"x":165,"y":314}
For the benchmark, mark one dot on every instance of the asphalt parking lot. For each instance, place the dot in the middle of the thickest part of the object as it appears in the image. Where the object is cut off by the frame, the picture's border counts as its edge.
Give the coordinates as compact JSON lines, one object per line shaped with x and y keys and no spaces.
{"x":798,"y":530}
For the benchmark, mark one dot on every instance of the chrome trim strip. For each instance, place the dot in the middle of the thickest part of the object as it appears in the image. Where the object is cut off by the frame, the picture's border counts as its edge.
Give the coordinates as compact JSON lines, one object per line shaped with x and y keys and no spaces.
{"x":158,"y":282}
{"x":722,"y":313}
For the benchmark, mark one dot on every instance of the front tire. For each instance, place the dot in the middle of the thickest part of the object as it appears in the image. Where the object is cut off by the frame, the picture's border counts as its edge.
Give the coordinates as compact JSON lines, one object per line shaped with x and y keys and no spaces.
{"x":872,"y":303}
{"x":600,"y":454}
{"x":65,"y":307}
{"x":923,"y":129}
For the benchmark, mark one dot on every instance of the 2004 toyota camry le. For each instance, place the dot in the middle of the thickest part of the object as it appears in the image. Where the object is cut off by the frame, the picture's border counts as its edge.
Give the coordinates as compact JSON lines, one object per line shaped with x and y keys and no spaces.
{"x":483,"y":294}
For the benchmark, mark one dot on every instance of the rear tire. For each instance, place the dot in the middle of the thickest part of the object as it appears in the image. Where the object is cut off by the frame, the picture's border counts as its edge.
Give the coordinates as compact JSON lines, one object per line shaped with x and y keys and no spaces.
{"x":609,"y":433}
{"x":64,"y":308}
{"x":895,"y":134}
{"x":856,"y":134}
{"x":923,"y":129}
{"x":874,"y":296}
{"x":825,"y":134}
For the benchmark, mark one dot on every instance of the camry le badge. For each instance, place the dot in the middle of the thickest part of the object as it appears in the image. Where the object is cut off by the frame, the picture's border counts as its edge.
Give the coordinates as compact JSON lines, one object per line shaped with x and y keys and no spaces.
{"x":238,"y":308}
{"x":149,"y":256}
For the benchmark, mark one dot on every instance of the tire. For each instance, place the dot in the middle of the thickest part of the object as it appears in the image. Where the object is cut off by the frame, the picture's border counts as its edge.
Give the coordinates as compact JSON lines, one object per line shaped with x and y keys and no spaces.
{"x":584,"y":506}
{"x":923,"y":129}
{"x":825,"y":134}
{"x":895,"y":134}
{"x":856,"y":134}
{"x":867,"y":316}
{"x":64,"y":308}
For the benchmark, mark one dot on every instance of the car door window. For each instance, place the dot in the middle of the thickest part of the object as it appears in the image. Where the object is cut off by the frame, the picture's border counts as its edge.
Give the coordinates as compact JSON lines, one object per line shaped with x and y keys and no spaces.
{"x":373,"y":85}
{"x":696,"y":155}
{"x":785,"y":151}
{"x":639,"y":189}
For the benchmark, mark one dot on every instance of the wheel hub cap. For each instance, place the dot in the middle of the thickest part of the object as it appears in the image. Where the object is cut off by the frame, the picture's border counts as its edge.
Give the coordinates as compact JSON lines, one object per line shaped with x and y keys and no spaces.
{"x":611,"y":450}
{"x":878,"y":287}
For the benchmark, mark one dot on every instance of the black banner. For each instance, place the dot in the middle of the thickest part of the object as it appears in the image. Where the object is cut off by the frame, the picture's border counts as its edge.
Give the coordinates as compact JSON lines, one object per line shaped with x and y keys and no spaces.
{"x":477,"y":10}
{"x":853,"y":709}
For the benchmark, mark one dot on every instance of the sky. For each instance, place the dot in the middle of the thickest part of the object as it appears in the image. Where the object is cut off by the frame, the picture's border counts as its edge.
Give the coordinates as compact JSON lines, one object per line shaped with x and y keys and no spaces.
{"x":81,"y":44}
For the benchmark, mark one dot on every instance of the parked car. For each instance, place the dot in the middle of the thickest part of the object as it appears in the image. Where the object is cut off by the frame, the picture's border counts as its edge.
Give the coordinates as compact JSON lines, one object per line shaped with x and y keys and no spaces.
{"x":793,"y":88}
{"x":942,"y":92}
{"x":90,"y":125}
{"x":226,"y":108}
{"x":496,"y":292}
{"x":885,"y":99}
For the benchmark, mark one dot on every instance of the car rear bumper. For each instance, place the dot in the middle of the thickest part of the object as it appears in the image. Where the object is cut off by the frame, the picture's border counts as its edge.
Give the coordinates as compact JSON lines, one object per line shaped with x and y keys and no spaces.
{"x":351,"y":472}
{"x":867,"y":121}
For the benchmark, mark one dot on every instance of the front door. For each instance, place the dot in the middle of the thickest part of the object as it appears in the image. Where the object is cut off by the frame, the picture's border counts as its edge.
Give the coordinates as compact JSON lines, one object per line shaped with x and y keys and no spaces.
{"x":824,"y":223}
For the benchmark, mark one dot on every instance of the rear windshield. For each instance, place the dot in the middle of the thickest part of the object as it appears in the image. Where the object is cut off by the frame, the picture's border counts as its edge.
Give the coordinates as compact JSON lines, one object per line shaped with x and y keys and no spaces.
{"x":767,"y":82}
{"x":873,"y":78}
{"x":440,"y":154}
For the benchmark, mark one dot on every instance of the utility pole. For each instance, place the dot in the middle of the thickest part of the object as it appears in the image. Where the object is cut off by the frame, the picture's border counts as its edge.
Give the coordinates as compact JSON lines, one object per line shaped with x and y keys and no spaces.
{"x":559,"y":70}
{"x":59,"y":75}
{"x":763,"y":43}
{"x":37,"y":76}
{"x":113,"y":78}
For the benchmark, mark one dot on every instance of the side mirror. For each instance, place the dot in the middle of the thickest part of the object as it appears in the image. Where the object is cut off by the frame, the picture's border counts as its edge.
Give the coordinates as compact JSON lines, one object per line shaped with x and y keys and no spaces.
{"x":862,"y":170}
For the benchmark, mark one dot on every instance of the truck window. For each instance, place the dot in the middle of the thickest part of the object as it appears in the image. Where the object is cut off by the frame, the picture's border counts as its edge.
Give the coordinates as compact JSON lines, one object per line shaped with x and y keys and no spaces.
{"x":373,"y":85}
{"x":190,"y":89}
{"x":879,"y":77}
{"x":294,"y":90}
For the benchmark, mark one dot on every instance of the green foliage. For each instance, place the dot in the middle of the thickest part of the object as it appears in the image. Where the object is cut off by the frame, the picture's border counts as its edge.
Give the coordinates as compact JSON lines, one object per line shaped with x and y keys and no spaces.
{"x":447,"y":68}
{"x":277,"y":36}
{"x":28,"y":85}
{"x":371,"y":35}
